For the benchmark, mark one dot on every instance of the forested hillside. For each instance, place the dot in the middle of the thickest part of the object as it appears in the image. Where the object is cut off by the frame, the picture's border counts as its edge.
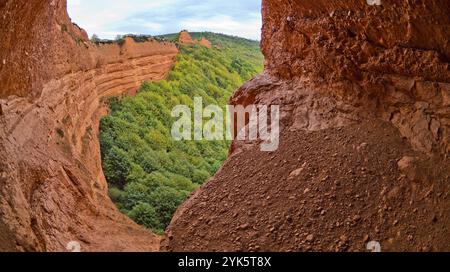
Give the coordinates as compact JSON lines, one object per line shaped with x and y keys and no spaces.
{"x":149,"y":173}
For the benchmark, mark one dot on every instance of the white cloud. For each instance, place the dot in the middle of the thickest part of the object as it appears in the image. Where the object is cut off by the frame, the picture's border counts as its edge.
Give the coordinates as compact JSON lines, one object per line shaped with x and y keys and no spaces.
{"x":101,"y":16}
{"x":145,"y":24}
{"x":74,"y":3}
{"x":225,"y":24}
{"x":108,"y":18}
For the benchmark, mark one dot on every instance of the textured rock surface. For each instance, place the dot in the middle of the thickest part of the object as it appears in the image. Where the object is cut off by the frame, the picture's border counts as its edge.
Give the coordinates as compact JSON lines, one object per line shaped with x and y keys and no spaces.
{"x":360,"y":87}
{"x":333,"y":189}
{"x":52,"y":85}
{"x":392,"y":58}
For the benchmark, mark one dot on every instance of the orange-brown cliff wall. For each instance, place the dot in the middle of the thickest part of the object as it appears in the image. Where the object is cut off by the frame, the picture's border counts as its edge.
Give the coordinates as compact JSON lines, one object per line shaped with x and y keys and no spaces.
{"x":364,"y":94}
{"x":52,"y":85}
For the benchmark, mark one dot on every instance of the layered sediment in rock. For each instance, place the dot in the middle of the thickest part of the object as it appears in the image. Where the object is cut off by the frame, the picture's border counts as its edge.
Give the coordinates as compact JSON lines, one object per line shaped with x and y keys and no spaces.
{"x":54,"y":83}
{"x":365,"y":120}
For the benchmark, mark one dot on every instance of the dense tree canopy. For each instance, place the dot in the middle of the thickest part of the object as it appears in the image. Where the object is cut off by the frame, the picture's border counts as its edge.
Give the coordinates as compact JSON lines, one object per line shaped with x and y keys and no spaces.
{"x":150,"y":174}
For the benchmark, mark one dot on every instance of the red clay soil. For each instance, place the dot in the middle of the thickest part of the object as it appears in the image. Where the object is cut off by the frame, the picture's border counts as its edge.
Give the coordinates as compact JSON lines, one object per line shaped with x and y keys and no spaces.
{"x":330,"y":190}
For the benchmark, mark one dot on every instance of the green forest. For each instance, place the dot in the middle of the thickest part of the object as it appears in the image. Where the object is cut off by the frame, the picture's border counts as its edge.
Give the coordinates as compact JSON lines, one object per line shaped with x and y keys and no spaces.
{"x":148,"y":172}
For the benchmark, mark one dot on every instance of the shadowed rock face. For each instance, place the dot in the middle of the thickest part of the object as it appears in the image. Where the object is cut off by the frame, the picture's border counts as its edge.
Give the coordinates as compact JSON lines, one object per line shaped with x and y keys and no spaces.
{"x":362,"y":89}
{"x":52,"y":85}
{"x":392,"y":58}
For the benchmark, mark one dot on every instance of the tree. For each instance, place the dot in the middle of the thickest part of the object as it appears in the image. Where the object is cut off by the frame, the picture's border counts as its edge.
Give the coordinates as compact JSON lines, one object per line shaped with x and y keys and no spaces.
{"x":116,"y":166}
{"x":200,"y":176}
{"x":120,"y":39}
{"x":144,"y":214}
{"x":166,"y":201}
{"x":95,"y":38}
{"x":135,"y":193}
{"x":152,"y":174}
{"x":115,"y":194}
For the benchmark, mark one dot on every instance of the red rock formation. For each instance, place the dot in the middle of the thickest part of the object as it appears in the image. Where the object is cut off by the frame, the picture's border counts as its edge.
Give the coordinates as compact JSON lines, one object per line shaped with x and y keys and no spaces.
{"x":362,"y":89}
{"x":392,"y":57}
{"x":52,"y":85}
{"x":185,"y":38}
{"x":205,"y":42}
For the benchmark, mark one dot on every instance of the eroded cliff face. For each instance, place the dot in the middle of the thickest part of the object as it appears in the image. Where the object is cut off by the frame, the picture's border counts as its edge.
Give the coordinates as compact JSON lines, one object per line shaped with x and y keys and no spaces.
{"x":53,"y":83}
{"x":391,"y":59}
{"x":365,"y":118}
{"x":186,"y":38}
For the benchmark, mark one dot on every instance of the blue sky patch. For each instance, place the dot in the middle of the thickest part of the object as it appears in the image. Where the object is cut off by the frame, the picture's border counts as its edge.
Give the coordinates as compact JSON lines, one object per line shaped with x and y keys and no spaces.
{"x":109,"y":18}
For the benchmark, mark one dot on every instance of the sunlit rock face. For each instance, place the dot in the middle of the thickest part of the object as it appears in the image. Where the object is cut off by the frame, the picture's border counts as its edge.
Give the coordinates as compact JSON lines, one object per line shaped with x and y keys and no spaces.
{"x":53,"y":82}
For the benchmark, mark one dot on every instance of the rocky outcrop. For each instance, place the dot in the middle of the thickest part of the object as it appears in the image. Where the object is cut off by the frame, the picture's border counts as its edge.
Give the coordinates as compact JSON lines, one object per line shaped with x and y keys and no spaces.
{"x":185,"y":38}
{"x":362,"y":85}
{"x":390,"y":57}
{"x":205,"y":42}
{"x":53,"y":85}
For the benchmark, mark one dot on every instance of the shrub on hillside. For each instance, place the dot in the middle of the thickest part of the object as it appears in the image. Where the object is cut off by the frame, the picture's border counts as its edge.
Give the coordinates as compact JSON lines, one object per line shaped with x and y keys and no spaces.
{"x":144,"y":214}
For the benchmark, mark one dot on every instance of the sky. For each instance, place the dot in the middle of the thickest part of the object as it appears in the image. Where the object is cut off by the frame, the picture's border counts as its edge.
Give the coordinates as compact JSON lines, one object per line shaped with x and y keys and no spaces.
{"x":109,"y":18}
